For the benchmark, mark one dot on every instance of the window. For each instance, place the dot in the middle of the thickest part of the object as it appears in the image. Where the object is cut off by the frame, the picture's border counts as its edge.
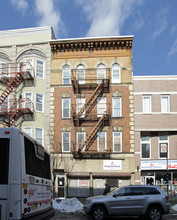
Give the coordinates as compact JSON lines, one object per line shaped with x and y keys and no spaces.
{"x":165,"y":103}
{"x":80,"y":103}
{"x":80,"y":139}
{"x":81,"y":74}
{"x":146,"y":104}
{"x":4,"y":105}
{"x":101,"y":106}
{"x":117,"y":142}
{"x":145,"y":146}
{"x":28,"y":130}
{"x":39,"y":102}
{"x":39,"y":135}
{"x":101,"y":72}
{"x":116,"y":73}
{"x":163,"y":145}
{"x":4,"y":160}
{"x":124,"y":192}
{"x":117,"y":107}
{"x":102,"y":142}
{"x":4,"y":68}
{"x":28,"y":98}
{"x":66,"y":108}
{"x":34,"y":165}
{"x":65,"y":141}
{"x":66,"y":74}
{"x":29,"y":66}
{"x":40,"y":69}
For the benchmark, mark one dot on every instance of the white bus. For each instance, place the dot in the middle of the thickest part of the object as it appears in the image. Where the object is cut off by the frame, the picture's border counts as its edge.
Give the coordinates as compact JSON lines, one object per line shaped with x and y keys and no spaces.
{"x":25,"y":177}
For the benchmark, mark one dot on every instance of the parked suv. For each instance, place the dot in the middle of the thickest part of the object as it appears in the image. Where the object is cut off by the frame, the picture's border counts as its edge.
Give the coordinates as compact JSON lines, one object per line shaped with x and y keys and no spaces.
{"x":134,"y":200}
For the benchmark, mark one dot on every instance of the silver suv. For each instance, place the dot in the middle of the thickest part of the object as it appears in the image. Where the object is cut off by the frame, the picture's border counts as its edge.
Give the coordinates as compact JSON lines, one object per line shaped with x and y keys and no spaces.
{"x":134,"y":200}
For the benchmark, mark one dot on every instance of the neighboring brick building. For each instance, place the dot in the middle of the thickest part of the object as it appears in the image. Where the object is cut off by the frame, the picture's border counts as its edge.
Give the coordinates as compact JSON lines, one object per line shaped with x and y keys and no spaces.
{"x":92,"y":114}
{"x":156,"y":130}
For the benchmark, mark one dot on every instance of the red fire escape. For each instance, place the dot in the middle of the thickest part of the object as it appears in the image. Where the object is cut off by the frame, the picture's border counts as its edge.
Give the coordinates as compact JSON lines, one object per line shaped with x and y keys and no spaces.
{"x":86,"y":116}
{"x":11,"y":76}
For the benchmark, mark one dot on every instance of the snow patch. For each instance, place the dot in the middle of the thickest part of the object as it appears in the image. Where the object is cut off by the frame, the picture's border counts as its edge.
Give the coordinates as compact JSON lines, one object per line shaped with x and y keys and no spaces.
{"x":174,"y":207}
{"x":67,"y":205}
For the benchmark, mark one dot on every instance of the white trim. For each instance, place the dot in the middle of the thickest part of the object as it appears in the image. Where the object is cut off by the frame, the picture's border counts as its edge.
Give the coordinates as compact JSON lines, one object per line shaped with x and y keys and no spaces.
{"x":155,"y":77}
{"x":113,"y":102}
{"x":163,"y":141}
{"x":98,"y":145}
{"x":156,"y":113}
{"x":43,"y":73}
{"x":63,"y":108}
{"x":146,"y":142}
{"x":120,"y":141}
{"x":156,"y":129}
{"x":69,"y":141}
{"x":80,"y":132}
{"x":150,"y":104}
{"x":42,"y":134}
{"x":168,"y":104}
{"x":91,"y":38}
{"x":42,"y":102}
{"x":155,"y":93}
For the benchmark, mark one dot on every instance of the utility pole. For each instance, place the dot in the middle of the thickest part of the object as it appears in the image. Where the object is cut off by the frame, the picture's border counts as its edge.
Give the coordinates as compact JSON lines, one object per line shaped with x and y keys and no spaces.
{"x":167,"y":171}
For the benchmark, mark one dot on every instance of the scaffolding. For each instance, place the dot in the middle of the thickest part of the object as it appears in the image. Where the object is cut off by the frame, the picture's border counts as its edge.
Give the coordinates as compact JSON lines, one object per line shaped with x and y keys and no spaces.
{"x":11,"y":76}
{"x":90,"y":82}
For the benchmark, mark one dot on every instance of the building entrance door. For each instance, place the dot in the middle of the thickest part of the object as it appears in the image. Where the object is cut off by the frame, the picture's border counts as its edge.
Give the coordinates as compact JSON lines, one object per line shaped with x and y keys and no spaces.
{"x":149,"y":180}
{"x":61,"y":186}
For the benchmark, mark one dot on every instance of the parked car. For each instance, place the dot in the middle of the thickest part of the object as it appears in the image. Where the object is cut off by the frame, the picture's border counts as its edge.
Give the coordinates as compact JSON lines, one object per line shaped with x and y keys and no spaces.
{"x":133,"y":200}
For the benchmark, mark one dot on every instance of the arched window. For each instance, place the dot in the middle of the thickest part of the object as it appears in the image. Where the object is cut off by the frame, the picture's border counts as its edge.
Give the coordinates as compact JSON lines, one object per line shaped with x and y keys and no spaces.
{"x":81,"y":74}
{"x":101,"y":72}
{"x":116,"y":78}
{"x":66,"y":75}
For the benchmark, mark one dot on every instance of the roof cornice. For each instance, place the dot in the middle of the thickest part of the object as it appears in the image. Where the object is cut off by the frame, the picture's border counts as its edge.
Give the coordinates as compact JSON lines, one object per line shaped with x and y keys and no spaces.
{"x":79,"y":44}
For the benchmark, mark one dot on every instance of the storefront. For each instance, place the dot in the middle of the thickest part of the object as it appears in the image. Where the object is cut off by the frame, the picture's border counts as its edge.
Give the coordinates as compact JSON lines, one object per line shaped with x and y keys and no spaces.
{"x":155,"y":172}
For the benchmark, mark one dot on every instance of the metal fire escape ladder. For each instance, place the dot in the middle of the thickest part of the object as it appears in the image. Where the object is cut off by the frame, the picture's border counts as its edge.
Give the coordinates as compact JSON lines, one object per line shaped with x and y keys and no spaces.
{"x":90,"y":103}
{"x":14,"y":82}
{"x":88,"y":142}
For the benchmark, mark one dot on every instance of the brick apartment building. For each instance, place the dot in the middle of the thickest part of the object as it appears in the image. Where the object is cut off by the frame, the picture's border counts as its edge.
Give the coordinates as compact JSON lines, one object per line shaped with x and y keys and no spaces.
{"x":155,"y":99}
{"x":92,"y":115}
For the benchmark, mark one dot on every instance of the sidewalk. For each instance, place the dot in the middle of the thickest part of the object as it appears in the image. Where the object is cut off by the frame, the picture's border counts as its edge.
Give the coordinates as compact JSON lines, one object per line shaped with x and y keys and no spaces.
{"x":173,"y":202}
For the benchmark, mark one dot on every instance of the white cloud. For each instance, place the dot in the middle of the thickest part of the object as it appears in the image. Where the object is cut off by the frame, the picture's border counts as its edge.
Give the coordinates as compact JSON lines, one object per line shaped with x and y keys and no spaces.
{"x":48,"y":15}
{"x":173,"y":49}
{"x":160,"y":29}
{"x":107,"y":17}
{"x":20,"y":4}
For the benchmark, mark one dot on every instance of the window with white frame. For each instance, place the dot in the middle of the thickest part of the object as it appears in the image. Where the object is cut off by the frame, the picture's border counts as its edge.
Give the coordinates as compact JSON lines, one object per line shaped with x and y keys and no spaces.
{"x":101,"y":72}
{"x":4,"y":68}
{"x":163,"y":145}
{"x":66,"y":75}
{"x":117,"y":142}
{"x":165,"y":103}
{"x":39,"y":135}
{"x":145,"y":146}
{"x":28,"y":130}
{"x":4,"y":105}
{"x":101,"y":106}
{"x":116,"y":73}
{"x":40,"y":69}
{"x":102,"y":141}
{"x":39,"y":102}
{"x":65,"y":141}
{"x":29,"y":66}
{"x":81,"y":74}
{"x":28,"y":98}
{"x":146,"y":104}
{"x":117,"y":106}
{"x":80,"y":139}
{"x":66,"y":108}
{"x":80,"y":102}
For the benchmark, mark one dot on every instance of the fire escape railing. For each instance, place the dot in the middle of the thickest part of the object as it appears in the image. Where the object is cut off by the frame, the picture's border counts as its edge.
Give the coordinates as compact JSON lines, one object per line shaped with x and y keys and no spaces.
{"x":11,"y":76}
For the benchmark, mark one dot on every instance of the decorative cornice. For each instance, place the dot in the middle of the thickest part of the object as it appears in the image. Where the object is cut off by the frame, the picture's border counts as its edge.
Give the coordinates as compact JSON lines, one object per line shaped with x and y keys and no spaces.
{"x":91,"y":44}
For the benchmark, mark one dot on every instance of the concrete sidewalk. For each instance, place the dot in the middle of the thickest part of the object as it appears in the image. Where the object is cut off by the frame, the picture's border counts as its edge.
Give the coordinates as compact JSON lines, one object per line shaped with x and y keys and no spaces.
{"x":173,"y":202}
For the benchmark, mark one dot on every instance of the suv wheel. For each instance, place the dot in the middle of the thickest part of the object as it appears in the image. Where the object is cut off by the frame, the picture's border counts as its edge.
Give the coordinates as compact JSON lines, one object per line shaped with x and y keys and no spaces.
{"x":154,"y":213}
{"x":98,"y":213}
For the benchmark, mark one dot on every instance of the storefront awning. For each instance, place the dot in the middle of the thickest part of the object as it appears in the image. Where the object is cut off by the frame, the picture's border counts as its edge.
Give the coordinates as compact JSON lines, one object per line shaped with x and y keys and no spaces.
{"x":111,"y":174}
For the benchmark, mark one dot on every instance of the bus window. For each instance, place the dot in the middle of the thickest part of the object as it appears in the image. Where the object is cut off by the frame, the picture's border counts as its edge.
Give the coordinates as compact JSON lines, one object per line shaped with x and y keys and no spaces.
{"x":4,"y":160}
{"x":34,"y":165}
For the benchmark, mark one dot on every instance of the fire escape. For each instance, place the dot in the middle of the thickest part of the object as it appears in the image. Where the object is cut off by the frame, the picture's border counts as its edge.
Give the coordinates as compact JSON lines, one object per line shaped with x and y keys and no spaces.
{"x":86,"y":116}
{"x":12,"y":75}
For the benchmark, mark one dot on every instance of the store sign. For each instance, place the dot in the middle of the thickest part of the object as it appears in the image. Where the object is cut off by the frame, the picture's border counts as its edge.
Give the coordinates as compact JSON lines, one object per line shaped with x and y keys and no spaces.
{"x":163,"y":148}
{"x":158,"y":164}
{"x":112,"y":165}
{"x":83,"y":183}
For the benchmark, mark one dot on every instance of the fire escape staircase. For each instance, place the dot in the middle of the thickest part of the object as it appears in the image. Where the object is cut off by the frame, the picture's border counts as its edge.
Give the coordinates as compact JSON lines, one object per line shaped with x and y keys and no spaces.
{"x":13,"y":80}
{"x":93,"y":134}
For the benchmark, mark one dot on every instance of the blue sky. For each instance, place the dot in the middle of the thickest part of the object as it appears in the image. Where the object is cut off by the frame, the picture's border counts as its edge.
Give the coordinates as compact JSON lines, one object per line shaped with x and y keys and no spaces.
{"x":152,"y":22}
